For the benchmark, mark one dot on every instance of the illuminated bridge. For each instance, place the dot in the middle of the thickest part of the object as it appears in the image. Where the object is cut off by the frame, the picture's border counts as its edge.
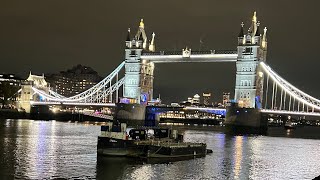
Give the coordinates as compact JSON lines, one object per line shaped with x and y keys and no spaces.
{"x":257,"y":85}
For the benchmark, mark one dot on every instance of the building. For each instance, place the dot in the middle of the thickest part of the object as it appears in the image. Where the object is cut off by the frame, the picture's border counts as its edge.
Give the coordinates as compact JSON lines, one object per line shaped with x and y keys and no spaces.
{"x":74,"y":81}
{"x":28,"y":94}
{"x":9,"y":85}
{"x":225,"y":98}
{"x":196,"y":99}
{"x":206,"y":99}
{"x":11,"y":79}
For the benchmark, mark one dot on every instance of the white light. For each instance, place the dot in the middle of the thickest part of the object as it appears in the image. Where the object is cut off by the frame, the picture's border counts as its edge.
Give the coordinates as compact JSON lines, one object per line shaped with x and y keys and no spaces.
{"x":276,"y":78}
{"x":270,"y":111}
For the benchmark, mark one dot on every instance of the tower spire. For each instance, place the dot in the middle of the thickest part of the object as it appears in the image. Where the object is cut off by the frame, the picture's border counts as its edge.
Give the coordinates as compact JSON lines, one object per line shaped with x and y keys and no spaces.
{"x":254,"y":18}
{"x":258,"y":29}
{"x":128,"y":35}
{"x":152,"y":46}
{"x":241,"y":33}
{"x":128,"y":40}
{"x":254,"y":24}
{"x":141,"y":35}
{"x":264,"y":38}
{"x":141,"y":24}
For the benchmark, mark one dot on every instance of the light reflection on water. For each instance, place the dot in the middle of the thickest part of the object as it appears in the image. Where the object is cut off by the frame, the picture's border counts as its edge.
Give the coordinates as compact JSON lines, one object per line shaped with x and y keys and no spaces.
{"x":50,"y":149}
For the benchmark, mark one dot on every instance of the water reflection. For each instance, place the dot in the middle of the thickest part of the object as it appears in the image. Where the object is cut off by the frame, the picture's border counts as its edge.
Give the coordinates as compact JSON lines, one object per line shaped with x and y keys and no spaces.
{"x":237,"y":156}
{"x":50,"y":149}
{"x":36,"y":149}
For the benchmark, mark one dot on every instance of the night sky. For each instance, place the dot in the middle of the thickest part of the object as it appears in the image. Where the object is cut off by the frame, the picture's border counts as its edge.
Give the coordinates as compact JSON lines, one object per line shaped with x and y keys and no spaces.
{"x":50,"y":36}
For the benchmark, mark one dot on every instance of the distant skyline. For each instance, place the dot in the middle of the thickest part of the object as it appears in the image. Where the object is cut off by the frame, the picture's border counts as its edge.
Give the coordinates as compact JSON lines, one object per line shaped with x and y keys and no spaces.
{"x":51,"y":36}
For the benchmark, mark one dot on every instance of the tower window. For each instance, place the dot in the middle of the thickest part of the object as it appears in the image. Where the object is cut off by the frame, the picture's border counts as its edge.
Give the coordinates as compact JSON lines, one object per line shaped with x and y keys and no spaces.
{"x":247,"y":50}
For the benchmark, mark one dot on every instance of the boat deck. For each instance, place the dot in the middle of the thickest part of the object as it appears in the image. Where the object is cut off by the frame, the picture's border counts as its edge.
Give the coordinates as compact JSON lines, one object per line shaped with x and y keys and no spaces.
{"x":169,"y":144}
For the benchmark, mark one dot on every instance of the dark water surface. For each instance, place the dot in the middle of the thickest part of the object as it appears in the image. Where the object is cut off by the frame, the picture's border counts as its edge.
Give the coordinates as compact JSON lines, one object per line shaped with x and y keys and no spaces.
{"x":50,"y":149}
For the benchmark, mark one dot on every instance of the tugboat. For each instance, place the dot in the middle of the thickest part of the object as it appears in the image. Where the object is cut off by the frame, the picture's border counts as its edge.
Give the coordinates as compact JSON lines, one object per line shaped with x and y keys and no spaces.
{"x":146,"y":143}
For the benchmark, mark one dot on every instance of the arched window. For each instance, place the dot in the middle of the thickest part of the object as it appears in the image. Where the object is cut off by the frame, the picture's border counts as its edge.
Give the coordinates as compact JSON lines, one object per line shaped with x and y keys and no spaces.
{"x":245,"y":83}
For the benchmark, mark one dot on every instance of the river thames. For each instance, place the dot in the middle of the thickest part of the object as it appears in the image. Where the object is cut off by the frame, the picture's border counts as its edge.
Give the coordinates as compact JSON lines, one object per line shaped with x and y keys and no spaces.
{"x":51,"y":149}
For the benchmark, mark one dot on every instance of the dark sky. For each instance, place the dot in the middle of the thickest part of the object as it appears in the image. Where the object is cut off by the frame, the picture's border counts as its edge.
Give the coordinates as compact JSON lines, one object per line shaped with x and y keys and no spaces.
{"x":53,"y":35}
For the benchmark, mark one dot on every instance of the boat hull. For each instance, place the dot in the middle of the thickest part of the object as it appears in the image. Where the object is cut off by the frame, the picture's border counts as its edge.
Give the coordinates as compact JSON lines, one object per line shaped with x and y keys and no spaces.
{"x":118,"y":147}
{"x":176,"y":152}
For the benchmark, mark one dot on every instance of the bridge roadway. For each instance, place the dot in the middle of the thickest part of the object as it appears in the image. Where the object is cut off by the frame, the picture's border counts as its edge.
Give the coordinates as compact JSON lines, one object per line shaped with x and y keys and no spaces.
{"x":285,"y":112}
{"x":72,"y":103}
{"x":159,"y":109}
{"x":205,"y":56}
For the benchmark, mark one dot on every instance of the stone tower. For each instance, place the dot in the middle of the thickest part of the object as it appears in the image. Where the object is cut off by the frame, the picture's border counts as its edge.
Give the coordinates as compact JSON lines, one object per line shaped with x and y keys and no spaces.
{"x":138,"y":86}
{"x":27,"y":94}
{"x":252,"y":49}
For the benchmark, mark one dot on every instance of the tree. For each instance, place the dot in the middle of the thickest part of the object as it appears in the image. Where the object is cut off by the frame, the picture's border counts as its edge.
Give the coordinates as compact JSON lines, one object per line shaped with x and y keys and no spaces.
{"x":7,"y":92}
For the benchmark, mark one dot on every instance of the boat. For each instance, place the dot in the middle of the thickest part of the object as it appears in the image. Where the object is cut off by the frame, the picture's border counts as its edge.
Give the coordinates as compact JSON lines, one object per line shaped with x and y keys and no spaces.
{"x":290,"y":125}
{"x":114,"y":141}
{"x":146,"y":143}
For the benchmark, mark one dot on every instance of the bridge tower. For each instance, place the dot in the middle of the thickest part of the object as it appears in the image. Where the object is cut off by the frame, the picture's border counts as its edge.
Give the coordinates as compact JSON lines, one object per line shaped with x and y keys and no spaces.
{"x":252,"y":49}
{"x":27,"y":94}
{"x":138,"y":86}
{"x":244,"y":115}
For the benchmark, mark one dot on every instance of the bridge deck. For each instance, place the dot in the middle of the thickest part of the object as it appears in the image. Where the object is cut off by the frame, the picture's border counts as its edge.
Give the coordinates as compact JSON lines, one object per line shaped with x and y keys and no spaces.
{"x":72,"y":103}
{"x":191,"y":58}
{"x":285,"y":112}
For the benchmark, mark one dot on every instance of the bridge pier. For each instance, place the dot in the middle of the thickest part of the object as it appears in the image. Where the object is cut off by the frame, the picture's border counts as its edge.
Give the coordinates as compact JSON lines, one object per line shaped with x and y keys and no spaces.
{"x":245,"y":120}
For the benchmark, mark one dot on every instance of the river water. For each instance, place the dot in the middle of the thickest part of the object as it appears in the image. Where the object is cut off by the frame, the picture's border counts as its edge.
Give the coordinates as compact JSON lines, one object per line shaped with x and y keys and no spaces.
{"x":51,"y":149}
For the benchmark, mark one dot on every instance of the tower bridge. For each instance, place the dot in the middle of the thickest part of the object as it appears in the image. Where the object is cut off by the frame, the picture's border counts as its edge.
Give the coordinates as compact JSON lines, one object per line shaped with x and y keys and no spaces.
{"x":258,"y":88}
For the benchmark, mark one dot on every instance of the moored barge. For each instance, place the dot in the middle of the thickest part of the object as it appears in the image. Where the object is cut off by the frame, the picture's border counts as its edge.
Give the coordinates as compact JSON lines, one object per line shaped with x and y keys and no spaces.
{"x":146,"y":142}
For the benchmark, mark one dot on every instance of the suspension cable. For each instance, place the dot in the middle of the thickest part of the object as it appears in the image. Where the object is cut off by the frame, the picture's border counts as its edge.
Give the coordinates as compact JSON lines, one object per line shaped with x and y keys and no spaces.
{"x":281,"y":98}
{"x":272,"y":103}
{"x":265,"y":105}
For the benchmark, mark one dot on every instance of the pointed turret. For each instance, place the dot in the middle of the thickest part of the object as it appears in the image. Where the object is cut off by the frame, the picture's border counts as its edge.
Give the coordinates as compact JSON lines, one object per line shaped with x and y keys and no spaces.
{"x":128,"y":40}
{"x":241,"y":33}
{"x":128,"y":35}
{"x":141,"y":25}
{"x":264,"y":39}
{"x":152,"y":47}
{"x":254,"y":24}
{"x":241,"y":36}
{"x":258,"y":29}
{"x":141,"y":35}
